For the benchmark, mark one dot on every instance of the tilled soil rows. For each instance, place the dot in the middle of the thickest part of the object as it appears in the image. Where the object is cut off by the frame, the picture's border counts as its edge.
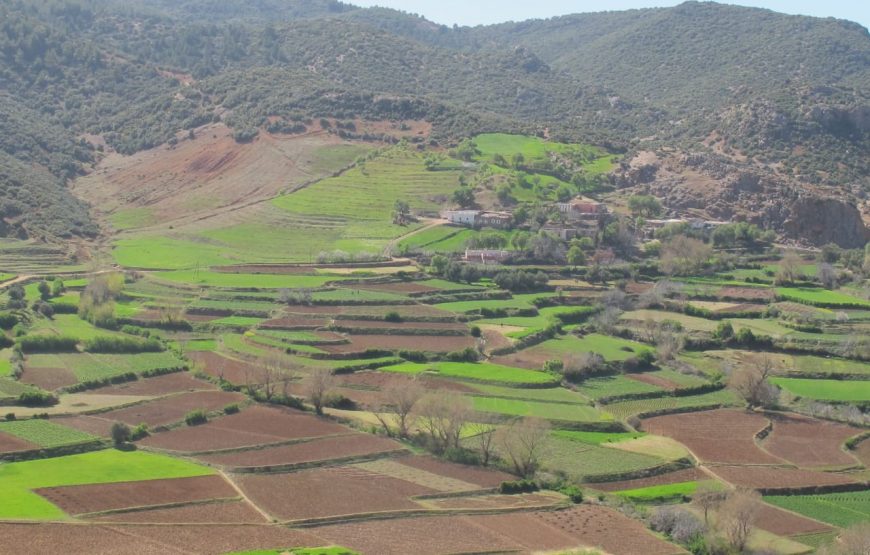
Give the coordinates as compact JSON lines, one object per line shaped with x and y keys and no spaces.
{"x":223,"y":512}
{"x":431,"y":343}
{"x":785,"y":523}
{"x":93,"y":498}
{"x":310,"y":451}
{"x":169,"y":410}
{"x":809,"y":442}
{"x":176,"y":382}
{"x":219,"y":366}
{"x":325,"y":492}
{"x":11,"y":444}
{"x":772,"y":478}
{"x":717,"y":436}
{"x":479,"y":476}
{"x":48,"y":379}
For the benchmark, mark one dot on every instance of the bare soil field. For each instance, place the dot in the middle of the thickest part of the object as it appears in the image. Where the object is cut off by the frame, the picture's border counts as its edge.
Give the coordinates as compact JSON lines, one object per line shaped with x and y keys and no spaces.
{"x":48,"y":379}
{"x":746,"y":293}
{"x":432,"y":343}
{"x":11,"y":444}
{"x":78,"y":539}
{"x":527,"y":531}
{"x":90,"y":424}
{"x":223,"y":512}
{"x":215,"y":365}
{"x":685,"y":475}
{"x":310,"y":451}
{"x":94,"y":498}
{"x":169,"y":410}
{"x":418,"y":535}
{"x":161,"y":385}
{"x":409,"y":311}
{"x":862,"y":452}
{"x":767,"y":477}
{"x":476,"y":475}
{"x":215,"y":540}
{"x":256,"y":425}
{"x":785,"y":523}
{"x":524,"y":500}
{"x":809,"y":442}
{"x":717,"y":436}
{"x":437,"y":482}
{"x":608,"y":529}
{"x":327,"y":492}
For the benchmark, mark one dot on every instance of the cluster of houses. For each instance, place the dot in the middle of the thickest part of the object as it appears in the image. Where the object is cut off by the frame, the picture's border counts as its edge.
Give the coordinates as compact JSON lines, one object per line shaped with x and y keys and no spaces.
{"x":479,"y":218}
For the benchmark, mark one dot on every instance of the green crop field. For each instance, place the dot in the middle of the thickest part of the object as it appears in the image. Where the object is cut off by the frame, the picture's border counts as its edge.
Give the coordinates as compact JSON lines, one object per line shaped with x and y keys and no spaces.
{"x":18,"y":480}
{"x":826,"y":390}
{"x":89,"y":366}
{"x":516,"y":302}
{"x":245,"y":281}
{"x":71,"y":325}
{"x":608,"y":386}
{"x":356,"y":295}
{"x":44,"y":433}
{"x":548,"y":395}
{"x":578,"y":459}
{"x":678,"y":378}
{"x":663,"y":493}
{"x":820,"y":297}
{"x":534,"y":148}
{"x":816,"y":364}
{"x":624,"y":409}
{"x":236,"y":305}
{"x":5,"y":364}
{"x":166,"y":253}
{"x":245,"y":321}
{"x":475,"y":371}
{"x":596,"y":438}
{"x":838,"y":509}
{"x":690,"y":323}
{"x":549,"y":411}
{"x":611,"y":348}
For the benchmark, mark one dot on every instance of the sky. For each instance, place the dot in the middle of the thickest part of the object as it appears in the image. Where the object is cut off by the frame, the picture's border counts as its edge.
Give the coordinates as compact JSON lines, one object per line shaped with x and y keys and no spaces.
{"x":480,"y":12}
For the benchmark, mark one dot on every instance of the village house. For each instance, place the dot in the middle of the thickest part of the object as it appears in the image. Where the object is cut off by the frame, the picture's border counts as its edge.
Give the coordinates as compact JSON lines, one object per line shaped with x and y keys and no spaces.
{"x":486,"y":256}
{"x":582,"y":209}
{"x":479,"y":218}
{"x":462,"y":217}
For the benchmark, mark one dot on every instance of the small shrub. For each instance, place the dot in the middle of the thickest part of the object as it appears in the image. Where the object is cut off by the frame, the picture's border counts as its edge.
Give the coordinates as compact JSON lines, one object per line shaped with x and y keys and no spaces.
{"x":47,"y":344}
{"x":8,"y":320}
{"x":392,"y":316}
{"x":10,"y":416}
{"x":37,"y":399}
{"x":139,"y":432}
{"x":518,"y":486}
{"x":231,"y":408}
{"x":195,"y":417}
{"x":574,"y":493}
{"x":122,"y":345}
{"x":475,"y":331}
{"x":554,"y":365}
{"x":120,"y":433}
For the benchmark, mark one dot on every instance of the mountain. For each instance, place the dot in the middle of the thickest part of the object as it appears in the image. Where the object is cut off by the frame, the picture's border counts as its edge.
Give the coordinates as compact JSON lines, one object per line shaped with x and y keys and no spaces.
{"x":782,"y":95}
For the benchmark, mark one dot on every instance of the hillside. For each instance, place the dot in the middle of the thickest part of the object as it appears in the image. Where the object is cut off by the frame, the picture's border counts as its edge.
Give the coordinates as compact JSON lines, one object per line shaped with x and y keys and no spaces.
{"x":785,"y":96}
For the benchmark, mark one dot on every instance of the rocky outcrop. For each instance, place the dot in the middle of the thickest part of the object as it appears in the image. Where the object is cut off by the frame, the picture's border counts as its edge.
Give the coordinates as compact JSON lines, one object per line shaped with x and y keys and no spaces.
{"x":825,"y":220}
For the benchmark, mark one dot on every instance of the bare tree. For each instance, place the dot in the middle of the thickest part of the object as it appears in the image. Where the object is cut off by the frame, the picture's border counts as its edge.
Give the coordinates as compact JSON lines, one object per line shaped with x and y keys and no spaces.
{"x":827,"y":276}
{"x":789,"y":268}
{"x":706,"y":497}
{"x":854,"y":541}
{"x":484,"y":435}
{"x":578,"y":366}
{"x":522,"y":442}
{"x":442,"y":416}
{"x":683,"y":255}
{"x":737,"y":516}
{"x":668,"y":344}
{"x":271,"y":372}
{"x":401,"y":398}
{"x":318,"y":386}
{"x":751,"y":383}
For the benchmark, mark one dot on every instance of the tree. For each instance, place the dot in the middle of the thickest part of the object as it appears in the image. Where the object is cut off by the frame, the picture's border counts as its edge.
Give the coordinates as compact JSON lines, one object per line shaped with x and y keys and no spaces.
{"x":401,"y":212}
{"x":576,"y":256}
{"x":120,"y":433}
{"x":439,"y":264}
{"x":517,"y":160}
{"x":853,"y":541}
{"x":441,"y":416}
{"x":737,"y":516}
{"x":682,"y":255}
{"x":402,"y":396}
{"x":751,"y":383}
{"x":44,"y":290}
{"x":318,"y":386}
{"x":707,"y":497}
{"x":646,"y":206}
{"x":483,"y":432}
{"x":724,"y":331}
{"x":522,"y":442}
{"x":464,"y":197}
{"x":789,"y":268}
{"x":827,"y":276}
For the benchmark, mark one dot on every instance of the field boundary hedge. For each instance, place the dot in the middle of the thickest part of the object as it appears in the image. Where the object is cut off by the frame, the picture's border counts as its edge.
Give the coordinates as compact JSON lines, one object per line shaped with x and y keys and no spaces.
{"x":657,"y":470}
{"x":51,"y":452}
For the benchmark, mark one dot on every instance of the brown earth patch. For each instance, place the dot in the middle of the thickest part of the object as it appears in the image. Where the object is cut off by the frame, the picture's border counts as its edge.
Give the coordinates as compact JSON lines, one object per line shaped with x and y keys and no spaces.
{"x":526,"y":530}
{"x":327,"y":492}
{"x":11,"y":444}
{"x":479,"y":476}
{"x":807,"y":441}
{"x":92,"y":498}
{"x":293,"y":323}
{"x":230,"y":369}
{"x":177,"y":382}
{"x":78,"y":539}
{"x":215,"y":540}
{"x":744,"y":307}
{"x":318,"y":450}
{"x":767,"y":477}
{"x":418,"y":535}
{"x":685,"y":475}
{"x":718,"y":436}
{"x":409,"y":311}
{"x":862,"y":452}
{"x":432,"y":343}
{"x":256,"y":425}
{"x":525,"y":500}
{"x":785,"y":523}
{"x":657,"y":381}
{"x":747,"y":293}
{"x":607,"y":529}
{"x":48,"y":379}
{"x":90,"y":424}
{"x":495,"y":339}
{"x":223,"y":512}
{"x":380,"y":324}
{"x":529,"y":359}
{"x":169,"y":410}
{"x":637,"y":288}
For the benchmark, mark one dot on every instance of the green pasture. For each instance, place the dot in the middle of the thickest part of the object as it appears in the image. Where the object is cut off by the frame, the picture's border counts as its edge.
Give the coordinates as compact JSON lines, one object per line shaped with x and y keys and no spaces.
{"x":44,"y":433}
{"x":245,"y":281}
{"x":549,"y":411}
{"x":608,"y":386}
{"x":826,"y":390}
{"x":837,"y":509}
{"x":663,"y":493}
{"x":70,"y":325}
{"x":18,"y":480}
{"x":522,"y":301}
{"x":96,"y":366}
{"x":547,"y":395}
{"x":596,"y":438}
{"x":624,"y":409}
{"x":475,"y":371}
{"x":579,"y":460}
{"x":611,"y":348}
{"x":820,"y":297}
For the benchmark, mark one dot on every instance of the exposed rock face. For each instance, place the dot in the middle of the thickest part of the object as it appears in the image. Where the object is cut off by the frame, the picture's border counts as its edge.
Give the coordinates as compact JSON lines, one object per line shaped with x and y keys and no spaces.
{"x":698,"y":184}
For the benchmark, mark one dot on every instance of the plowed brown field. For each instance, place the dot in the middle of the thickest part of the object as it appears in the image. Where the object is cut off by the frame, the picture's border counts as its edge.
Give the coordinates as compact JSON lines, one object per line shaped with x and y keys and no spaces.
{"x":433,"y":343}
{"x":177,"y":382}
{"x":809,"y":442}
{"x":224,"y":512}
{"x":48,"y":379}
{"x":483,"y":477}
{"x":169,"y":410}
{"x":685,"y":475}
{"x":10,"y":444}
{"x":785,"y":523}
{"x":773,"y":478}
